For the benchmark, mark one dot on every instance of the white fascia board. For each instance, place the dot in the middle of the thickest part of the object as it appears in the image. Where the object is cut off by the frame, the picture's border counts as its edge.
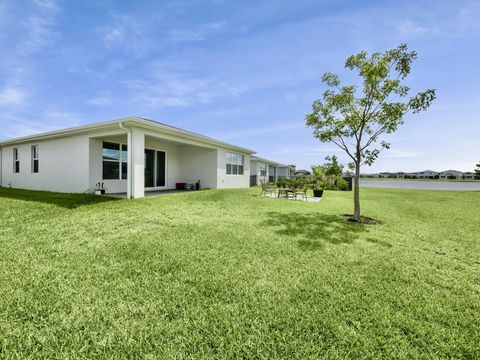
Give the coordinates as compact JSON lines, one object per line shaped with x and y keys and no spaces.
{"x":128,"y":121}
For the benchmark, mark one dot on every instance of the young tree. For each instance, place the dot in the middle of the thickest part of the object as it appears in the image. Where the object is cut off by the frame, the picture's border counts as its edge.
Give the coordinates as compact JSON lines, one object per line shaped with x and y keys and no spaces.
{"x":332,"y":166}
{"x":477,"y":170}
{"x":354,"y":119}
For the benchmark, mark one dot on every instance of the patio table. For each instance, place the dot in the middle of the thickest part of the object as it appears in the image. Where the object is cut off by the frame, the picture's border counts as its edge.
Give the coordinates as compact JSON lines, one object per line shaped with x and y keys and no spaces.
{"x":285,"y":191}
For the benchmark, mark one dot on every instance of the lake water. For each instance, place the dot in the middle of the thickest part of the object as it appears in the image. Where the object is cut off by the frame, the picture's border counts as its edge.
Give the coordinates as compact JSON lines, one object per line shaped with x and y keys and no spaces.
{"x":421,"y":185}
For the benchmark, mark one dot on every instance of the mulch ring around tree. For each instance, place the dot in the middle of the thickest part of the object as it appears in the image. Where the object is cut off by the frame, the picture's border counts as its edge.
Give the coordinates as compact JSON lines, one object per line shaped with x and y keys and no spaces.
{"x":363,"y":220}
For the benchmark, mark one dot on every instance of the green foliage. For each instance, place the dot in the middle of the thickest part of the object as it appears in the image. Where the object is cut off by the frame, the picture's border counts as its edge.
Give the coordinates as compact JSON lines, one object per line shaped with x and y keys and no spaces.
{"x":296,"y":183}
{"x":347,"y":115}
{"x":354,"y":117}
{"x":477,"y":170}
{"x":328,"y":176}
{"x":224,"y":274}
{"x":330,"y":168}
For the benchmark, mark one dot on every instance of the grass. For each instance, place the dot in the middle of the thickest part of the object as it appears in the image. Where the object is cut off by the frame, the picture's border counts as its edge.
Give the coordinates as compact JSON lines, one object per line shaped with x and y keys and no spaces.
{"x":226,"y":274}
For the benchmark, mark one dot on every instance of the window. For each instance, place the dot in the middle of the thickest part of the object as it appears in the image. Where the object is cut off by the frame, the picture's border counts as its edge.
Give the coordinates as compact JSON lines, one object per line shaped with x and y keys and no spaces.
{"x":16,"y":161}
{"x":35,"y":159}
{"x":263,"y":170}
{"x":234,"y":164}
{"x":114,"y":161}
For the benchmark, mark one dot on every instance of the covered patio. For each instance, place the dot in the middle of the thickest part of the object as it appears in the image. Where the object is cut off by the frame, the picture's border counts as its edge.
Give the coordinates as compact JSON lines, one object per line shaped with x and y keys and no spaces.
{"x":142,"y":163}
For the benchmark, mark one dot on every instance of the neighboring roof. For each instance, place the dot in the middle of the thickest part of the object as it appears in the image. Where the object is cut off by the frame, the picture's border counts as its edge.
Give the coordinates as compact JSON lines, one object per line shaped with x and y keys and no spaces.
{"x":302,"y":172}
{"x":132,"y":120}
{"x":451,"y":171}
{"x":271,"y":162}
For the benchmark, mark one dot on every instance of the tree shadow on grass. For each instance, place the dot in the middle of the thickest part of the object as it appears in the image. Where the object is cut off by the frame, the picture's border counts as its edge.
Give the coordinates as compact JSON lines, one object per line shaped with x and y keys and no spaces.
{"x":64,"y":200}
{"x":314,"y":230}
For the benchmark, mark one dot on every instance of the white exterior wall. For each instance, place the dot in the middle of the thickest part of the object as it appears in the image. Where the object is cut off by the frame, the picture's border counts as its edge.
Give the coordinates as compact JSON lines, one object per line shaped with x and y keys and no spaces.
{"x":111,"y":186}
{"x":447,"y":174}
{"x":232,"y":181}
{"x":426,"y":174}
{"x":63,"y":165}
{"x":199,"y":164}
{"x":173,"y":160}
{"x":74,"y":163}
{"x":284,"y":171}
{"x":254,"y":168}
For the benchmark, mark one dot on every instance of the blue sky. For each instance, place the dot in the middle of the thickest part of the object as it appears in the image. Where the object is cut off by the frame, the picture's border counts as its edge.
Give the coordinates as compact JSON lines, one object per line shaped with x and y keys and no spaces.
{"x":245,"y":72}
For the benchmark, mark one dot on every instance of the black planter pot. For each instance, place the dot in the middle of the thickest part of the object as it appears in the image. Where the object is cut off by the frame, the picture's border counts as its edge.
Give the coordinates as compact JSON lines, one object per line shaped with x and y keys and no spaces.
{"x":317,"y":193}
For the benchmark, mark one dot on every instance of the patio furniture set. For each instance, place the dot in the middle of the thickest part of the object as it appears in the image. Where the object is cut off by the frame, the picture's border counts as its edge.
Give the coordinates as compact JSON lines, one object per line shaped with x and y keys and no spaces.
{"x":289,"y":193}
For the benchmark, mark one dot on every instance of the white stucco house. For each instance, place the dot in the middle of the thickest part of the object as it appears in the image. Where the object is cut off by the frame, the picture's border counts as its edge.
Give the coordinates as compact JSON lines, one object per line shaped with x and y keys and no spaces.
{"x":469,"y":175}
{"x":268,"y":171}
{"x":450,"y":174}
{"x":286,"y":171}
{"x":427,"y":174}
{"x":130,"y":155}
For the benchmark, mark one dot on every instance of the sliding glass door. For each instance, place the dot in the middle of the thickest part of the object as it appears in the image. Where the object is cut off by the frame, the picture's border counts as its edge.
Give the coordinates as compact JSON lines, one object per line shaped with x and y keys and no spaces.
{"x":155,"y":168}
{"x":161,"y":167}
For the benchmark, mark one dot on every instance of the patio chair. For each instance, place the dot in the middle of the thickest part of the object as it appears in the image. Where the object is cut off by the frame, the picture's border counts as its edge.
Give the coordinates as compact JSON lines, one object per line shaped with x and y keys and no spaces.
{"x":267,"y":189}
{"x":300,"y":192}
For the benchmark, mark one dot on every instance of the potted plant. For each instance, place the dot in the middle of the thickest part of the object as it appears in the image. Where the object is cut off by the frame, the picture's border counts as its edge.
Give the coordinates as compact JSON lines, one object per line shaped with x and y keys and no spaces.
{"x":99,"y":189}
{"x":317,"y":187}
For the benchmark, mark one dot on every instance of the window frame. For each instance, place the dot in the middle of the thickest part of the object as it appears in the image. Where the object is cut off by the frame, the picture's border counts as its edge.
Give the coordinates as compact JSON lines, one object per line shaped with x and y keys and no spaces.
{"x":16,"y":161}
{"x":35,"y":159}
{"x":234,"y":164}
{"x":263,"y":169}
{"x":121,"y":160}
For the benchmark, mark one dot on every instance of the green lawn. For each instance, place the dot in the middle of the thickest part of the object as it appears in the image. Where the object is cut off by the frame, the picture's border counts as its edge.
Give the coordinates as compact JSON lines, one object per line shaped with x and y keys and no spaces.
{"x":226,"y":274}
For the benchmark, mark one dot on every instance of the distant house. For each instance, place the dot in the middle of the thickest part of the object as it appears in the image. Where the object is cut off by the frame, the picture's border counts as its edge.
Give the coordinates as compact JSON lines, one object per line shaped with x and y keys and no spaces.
{"x":387,"y":175}
{"x":302,"y":173}
{"x":469,"y":175}
{"x":411,"y":175}
{"x":372,"y":175}
{"x":286,"y":171}
{"x":427,"y":174}
{"x":268,"y":170}
{"x":451,"y":174}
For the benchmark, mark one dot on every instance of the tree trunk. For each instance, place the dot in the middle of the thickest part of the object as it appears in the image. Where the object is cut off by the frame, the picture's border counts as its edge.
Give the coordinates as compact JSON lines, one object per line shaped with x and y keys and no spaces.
{"x":356,"y":193}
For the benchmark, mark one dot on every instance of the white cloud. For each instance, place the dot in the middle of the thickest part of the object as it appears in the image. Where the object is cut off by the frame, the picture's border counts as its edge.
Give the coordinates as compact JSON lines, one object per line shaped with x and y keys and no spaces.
{"x":403,"y":153}
{"x":308,"y":151}
{"x":178,"y":85}
{"x":195,"y":33}
{"x":100,"y":101}
{"x":412,"y":28}
{"x":258,"y":131}
{"x":10,"y":96}
{"x":49,"y":5}
{"x":126,"y":33}
{"x":38,"y":28}
{"x":28,"y":122}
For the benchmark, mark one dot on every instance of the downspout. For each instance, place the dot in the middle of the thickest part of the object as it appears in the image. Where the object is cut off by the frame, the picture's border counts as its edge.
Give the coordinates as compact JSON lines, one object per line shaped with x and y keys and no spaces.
{"x":129,"y":159}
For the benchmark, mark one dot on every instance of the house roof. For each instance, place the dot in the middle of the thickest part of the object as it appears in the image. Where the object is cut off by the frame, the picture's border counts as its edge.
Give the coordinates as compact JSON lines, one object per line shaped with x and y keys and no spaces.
{"x":271,"y":162}
{"x":451,"y":171}
{"x":132,"y":120}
